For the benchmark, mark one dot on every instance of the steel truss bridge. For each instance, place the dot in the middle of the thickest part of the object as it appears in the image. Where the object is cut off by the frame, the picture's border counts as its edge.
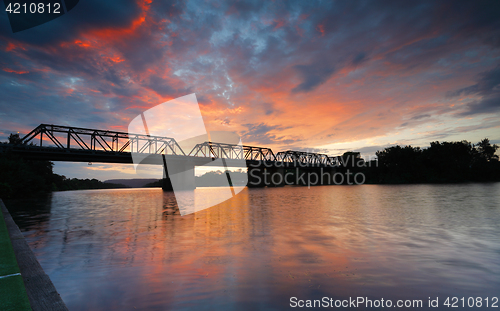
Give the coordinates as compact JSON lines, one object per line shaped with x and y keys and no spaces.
{"x":74,"y":144}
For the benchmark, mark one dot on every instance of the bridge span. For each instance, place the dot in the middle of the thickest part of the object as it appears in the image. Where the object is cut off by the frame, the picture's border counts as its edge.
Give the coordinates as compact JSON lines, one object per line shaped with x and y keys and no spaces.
{"x":73,"y":144}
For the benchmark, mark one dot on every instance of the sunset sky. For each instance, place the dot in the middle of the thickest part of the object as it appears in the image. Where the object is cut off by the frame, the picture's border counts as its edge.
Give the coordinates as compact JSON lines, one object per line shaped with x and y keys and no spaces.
{"x":327,"y":76}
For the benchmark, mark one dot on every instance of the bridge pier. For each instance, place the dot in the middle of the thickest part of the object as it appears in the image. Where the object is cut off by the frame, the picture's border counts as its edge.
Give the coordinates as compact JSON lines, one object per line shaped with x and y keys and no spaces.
{"x":179,"y":177}
{"x":167,"y":184}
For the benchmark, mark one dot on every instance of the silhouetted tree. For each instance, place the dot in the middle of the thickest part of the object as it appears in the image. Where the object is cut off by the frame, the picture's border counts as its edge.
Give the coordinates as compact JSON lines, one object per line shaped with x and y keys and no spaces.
{"x":401,"y":164}
{"x":485,"y":166}
{"x":441,"y":162}
{"x":14,"y":139}
{"x":486,"y":150}
{"x":22,"y":178}
{"x":448,"y":161}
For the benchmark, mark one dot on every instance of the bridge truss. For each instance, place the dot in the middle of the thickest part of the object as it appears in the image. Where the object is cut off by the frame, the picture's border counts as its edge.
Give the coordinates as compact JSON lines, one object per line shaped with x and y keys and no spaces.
{"x":230,"y":151}
{"x":66,"y":137}
{"x":74,"y":139}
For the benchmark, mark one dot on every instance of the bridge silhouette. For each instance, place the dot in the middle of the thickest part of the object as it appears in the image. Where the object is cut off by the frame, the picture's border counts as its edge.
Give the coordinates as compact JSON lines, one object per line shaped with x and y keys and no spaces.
{"x":75,"y":144}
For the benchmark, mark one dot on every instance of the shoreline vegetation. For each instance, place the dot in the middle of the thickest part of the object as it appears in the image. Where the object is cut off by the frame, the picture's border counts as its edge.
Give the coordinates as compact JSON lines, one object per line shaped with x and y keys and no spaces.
{"x":442,"y":162}
{"x":445,"y":162}
{"x":20,"y":178}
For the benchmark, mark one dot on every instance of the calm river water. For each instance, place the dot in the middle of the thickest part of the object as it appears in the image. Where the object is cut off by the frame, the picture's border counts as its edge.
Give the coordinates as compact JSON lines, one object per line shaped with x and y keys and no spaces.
{"x":129,"y":249}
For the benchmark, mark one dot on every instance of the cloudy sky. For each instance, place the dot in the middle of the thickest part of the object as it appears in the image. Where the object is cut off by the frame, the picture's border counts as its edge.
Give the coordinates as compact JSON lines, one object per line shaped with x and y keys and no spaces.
{"x":307,"y":75}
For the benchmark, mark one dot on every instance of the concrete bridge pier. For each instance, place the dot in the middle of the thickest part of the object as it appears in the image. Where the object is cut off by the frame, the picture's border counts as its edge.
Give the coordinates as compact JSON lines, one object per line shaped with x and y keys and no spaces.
{"x":167,"y":183}
{"x":179,"y":176}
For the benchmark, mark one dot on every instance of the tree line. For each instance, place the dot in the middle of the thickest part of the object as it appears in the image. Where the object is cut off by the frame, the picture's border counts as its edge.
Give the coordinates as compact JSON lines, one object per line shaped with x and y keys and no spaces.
{"x":442,"y":162}
{"x":24,"y":178}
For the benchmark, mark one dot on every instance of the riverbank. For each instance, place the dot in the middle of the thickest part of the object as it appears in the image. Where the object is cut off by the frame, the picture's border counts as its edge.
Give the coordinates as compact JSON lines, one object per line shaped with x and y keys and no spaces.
{"x":12,"y":289}
{"x":23,"y":283}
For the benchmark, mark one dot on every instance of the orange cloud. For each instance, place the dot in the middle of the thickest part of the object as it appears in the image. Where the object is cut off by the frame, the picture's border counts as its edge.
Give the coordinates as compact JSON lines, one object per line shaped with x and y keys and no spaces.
{"x":82,"y":44}
{"x":116,"y":59}
{"x":19,"y":72}
{"x":321,"y":29}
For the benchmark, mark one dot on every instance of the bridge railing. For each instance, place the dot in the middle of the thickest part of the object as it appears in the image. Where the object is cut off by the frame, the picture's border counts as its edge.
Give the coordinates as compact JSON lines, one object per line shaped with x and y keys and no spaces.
{"x":231,"y":151}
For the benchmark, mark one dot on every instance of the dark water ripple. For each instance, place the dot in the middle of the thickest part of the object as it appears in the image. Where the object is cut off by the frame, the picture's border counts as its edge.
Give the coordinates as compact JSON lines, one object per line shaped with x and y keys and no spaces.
{"x":131,"y":250}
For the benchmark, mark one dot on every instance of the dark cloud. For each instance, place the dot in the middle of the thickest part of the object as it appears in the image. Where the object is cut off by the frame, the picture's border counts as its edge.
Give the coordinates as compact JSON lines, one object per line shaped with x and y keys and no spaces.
{"x":415,"y":118}
{"x":421,"y":116}
{"x":269,"y":108}
{"x":488,"y":105}
{"x":488,"y":87}
{"x":71,"y":109}
{"x":358,"y":59}
{"x":159,"y":85}
{"x":266,"y":108}
{"x":244,"y":8}
{"x":167,"y":8}
{"x":163,"y":88}
{"x":409,"y":34}
{"x":313,"y":75}
{"x":488,"y":83}
{"x":262,"y":133}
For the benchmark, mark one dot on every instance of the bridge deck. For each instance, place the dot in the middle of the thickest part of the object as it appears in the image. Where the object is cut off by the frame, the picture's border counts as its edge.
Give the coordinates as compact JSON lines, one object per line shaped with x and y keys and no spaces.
{"x":74,"y":144}
{"x":100,"y":156}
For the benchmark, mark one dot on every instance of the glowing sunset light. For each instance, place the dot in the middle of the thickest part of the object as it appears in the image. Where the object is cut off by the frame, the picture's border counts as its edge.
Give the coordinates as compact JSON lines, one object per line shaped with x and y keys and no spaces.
{"x":330,"y":77}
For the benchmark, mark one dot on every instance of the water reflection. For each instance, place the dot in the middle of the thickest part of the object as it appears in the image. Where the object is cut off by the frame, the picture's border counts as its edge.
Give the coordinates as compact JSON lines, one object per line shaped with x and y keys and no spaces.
{"x":125,"y":249}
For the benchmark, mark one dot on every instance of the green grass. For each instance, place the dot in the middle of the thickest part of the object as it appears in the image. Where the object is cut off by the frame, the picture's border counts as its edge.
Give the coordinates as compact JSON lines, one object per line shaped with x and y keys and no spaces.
{"x":12,"y":291}
{"x":13,"y":294}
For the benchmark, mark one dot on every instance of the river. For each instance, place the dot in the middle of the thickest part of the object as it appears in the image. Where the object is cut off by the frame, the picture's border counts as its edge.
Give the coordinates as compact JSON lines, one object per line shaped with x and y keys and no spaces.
{"x":129,"y":249}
